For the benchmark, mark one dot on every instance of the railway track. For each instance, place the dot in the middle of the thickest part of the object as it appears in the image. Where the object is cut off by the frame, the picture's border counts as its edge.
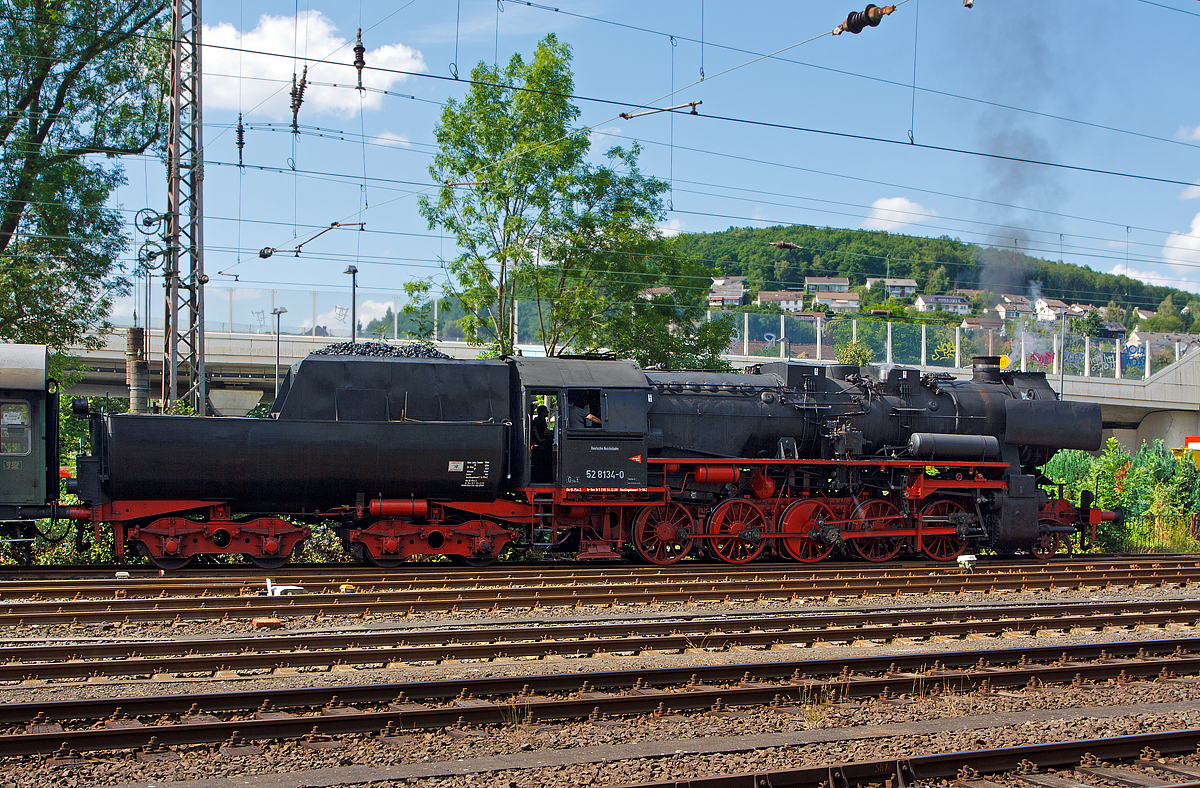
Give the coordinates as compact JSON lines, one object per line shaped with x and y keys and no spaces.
{"x":230,"y":579}
{"x":158,"y":600}
{"x":176,"y":720}
{"x":1141,"y":757}
{"x":405,"y":646}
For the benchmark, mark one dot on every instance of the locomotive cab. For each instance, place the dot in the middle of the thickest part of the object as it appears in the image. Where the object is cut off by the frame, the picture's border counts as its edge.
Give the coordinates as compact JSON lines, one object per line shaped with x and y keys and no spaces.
{"x":596,"y":420}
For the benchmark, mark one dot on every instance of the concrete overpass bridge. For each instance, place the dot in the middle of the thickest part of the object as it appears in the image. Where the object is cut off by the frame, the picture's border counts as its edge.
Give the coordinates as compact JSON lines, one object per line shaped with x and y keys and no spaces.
{"x":1165,"y":405}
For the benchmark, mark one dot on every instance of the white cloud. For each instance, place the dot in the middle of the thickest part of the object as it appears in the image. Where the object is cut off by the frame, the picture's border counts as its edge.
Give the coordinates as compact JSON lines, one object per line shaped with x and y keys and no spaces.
{"x":123,"y":309}
{"x":1151,"y":277}
{"x":1189,"y":133}
{"x":600,"y":135}
{"x":1182,"y":250}
{"x":372,"y":310}
{"x":1191,"y":193}
{"x":671,"y":228}
{"x":892,"y":213}
{"x":1181,"y":261}
{"x":337,"y":319}
{"x":392,"y":139}
{"x":267,"y":78}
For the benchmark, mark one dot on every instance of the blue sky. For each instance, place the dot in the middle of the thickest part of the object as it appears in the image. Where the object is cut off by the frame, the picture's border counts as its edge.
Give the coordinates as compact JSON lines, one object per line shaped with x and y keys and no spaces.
{"x":1105,"y":85}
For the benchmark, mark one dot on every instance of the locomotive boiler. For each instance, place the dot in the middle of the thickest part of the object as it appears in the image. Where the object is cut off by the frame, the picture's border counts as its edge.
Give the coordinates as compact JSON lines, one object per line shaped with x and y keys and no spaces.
{"x":419,"y":456}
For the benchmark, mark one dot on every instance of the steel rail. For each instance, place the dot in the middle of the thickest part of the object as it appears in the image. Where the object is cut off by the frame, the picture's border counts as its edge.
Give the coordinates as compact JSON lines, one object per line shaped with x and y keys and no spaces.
{"x":946,"y":766}
{"x":387,"y":647}
{"x":700,"y":590}
{"x":532,"y":698}
{"x":234,"y":579}
{"x":530,"y":708}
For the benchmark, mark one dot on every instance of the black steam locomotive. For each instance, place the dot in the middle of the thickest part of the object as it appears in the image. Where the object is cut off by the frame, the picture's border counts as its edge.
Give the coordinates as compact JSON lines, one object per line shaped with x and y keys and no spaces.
{"x":443,"y":457}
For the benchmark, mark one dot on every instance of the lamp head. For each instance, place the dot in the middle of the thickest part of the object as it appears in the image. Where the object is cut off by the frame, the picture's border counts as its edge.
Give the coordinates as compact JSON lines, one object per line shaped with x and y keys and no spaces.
{"x":350,"y":270}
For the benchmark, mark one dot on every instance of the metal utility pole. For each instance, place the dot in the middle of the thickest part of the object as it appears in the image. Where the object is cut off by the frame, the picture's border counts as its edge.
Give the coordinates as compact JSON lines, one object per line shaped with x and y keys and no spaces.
{"x":183,"y":351}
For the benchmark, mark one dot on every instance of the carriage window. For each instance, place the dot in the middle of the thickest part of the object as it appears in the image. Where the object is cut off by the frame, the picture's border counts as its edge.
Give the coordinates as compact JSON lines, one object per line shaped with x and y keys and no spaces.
{"x":15,"y":432}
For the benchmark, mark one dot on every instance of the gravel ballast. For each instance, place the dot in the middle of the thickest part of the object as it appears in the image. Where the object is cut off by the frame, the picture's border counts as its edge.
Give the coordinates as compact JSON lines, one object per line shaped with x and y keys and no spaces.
{"x":580,"y":753}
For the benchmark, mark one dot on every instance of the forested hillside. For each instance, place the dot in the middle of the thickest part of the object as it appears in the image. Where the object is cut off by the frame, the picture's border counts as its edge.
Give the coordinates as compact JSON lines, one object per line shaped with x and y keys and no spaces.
{"x":938,"y":264}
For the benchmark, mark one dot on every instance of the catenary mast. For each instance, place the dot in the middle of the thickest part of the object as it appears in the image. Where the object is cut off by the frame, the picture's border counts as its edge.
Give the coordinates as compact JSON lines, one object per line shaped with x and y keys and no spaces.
{"x":183,"y":357}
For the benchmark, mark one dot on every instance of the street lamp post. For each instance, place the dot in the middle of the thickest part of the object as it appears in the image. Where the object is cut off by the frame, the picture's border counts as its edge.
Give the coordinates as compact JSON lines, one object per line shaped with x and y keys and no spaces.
{"x":278,"y":311}
{"x":353,"y":302}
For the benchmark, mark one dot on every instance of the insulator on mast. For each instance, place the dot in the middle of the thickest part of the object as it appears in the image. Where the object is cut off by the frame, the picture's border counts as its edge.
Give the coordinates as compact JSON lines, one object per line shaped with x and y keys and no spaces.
{"x":856,"y":21}
{"x":241,"y":139}
{"x":298,"y":98}
{"x":360,"y":57}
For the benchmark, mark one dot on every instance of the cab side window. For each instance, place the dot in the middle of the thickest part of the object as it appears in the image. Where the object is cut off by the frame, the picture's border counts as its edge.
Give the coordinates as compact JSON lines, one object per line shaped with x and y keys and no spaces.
{"x":583,"y":409}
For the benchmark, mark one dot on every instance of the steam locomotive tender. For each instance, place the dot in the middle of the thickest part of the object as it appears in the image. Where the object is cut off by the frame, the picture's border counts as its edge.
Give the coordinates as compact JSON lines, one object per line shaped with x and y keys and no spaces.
{"x":433,"y":457}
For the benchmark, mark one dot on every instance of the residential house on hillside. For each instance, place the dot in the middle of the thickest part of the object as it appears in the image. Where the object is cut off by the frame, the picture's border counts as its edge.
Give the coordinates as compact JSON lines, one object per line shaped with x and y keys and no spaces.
{"x":650,"y":293}
{"x":727,"y":291}
{"x":896,"y":288}
{"x":1111,"y":329}
{"x":1156,"y":342}
{"x":954,"y":304}
{"x":836,"y":302}
{"x":1081,"y":310}
{"x":1144,"y":314}
{"x":1011,"y":311}
{"x":983,"y":321}
{"x":788,"y":300}
{"x":1049,"y":309}
{"x":826,"y":284}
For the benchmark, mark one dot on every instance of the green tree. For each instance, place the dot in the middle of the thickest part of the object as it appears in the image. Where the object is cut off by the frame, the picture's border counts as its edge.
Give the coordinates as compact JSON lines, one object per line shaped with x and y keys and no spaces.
{"x":1167,"y":308}
{"x":81,"y":81}
{"x":660,"y":333}
{"x":1193,"y":315}
{"x":1162,"y":323}
{"x":877,"y":293}
{"x":938,"y":281}
{"x":983,"y":301}
{"x":1091,"y":324}
{"x":533,"y":218}
{"x":663,"y":326}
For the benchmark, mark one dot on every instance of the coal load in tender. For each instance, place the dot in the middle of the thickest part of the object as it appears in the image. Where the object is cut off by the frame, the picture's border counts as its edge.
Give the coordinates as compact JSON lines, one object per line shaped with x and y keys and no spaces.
{"x":410,"y":350}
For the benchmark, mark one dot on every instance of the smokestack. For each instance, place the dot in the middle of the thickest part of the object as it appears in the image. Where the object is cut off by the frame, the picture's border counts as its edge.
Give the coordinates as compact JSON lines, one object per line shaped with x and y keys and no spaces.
{"x":985,"y":369}
{"x":137,"y":371}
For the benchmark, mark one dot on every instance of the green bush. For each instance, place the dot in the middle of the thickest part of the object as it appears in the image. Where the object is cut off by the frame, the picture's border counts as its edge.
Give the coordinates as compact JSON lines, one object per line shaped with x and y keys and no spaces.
{"x":854,"y":352}
{"x":1159,"y":493}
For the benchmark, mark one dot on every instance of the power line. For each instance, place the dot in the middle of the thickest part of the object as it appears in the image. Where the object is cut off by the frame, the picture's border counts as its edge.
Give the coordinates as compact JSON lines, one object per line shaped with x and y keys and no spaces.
{"x":745,"y":121}
{"x":867,"y":77}
{"x":944,"y":149}
{"x":1170,"y":8}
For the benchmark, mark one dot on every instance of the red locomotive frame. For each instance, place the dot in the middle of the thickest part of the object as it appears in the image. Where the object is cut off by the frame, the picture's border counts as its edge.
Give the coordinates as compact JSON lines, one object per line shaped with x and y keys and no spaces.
{"x":937,"y":515}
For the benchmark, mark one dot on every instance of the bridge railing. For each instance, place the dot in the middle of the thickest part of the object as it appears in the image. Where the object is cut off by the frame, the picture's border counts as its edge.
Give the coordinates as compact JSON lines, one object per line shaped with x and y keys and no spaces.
{"x":1030,"y":345}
